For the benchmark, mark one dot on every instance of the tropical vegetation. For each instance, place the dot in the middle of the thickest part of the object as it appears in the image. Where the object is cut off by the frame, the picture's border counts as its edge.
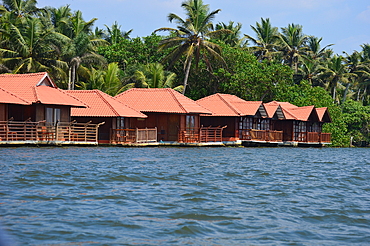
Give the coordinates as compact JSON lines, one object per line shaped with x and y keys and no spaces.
{"x":197,"y":57}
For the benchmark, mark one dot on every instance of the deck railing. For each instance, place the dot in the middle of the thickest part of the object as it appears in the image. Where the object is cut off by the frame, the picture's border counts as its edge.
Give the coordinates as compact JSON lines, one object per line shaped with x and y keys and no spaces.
{"x":201,"y":135}
{"x":42,"y":131}
{"x":261,"y":135}
{"x":145,"y":135}
{"x":312,"y":137}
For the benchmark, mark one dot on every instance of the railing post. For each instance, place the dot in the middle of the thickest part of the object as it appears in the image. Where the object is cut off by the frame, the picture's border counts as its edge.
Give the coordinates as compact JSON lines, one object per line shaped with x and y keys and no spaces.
{"x":137,"y":135}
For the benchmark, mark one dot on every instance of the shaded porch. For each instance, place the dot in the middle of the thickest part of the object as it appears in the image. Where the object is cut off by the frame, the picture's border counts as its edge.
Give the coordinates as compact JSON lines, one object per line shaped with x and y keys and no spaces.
{"x":41,"y":132}
{"x":261,"y":135}
{"x":125,"y":136}
{"x":312,"y":137}
{"x":201,"y":134}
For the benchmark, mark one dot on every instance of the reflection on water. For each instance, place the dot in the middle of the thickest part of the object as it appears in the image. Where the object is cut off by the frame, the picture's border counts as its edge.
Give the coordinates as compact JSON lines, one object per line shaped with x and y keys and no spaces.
{"x":201,"y":196}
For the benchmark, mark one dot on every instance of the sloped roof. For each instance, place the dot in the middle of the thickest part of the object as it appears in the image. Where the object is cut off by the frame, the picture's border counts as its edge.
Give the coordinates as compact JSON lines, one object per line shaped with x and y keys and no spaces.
{"x":302,"y":113}
{"x":270,"y":109}
{"x":282,"y":104}
{"x":100,"y":104}
{"x":323,"y":114}
{"x":36,"y":88}
{"x":7,"y":97}
{"x":291,"y":111}
{"x":163,"y":100}
{"x":229,"y":105}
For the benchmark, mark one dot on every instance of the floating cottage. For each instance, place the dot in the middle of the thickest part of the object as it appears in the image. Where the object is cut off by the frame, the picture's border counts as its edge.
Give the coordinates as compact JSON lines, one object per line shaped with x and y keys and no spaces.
{"x":33,"y":110}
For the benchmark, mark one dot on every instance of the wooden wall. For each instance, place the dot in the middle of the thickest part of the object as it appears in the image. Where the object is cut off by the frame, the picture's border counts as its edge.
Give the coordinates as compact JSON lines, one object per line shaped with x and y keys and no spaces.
{"x":3,"y":113}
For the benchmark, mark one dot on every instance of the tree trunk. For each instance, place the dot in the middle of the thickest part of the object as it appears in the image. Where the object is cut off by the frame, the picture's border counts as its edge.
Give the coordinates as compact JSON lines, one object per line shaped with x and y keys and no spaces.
{"x":345,"y":92}
{"x":187,"y":71}
{"x":69,"y":78}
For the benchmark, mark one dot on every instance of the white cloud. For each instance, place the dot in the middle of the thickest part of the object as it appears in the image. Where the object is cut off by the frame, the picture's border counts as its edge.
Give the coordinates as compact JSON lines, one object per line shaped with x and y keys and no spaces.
{"x":365,"y":15}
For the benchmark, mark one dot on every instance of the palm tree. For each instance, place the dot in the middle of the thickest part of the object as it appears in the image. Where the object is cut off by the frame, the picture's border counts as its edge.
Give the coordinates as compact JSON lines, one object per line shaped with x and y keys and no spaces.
{"x":153,"y":75}
{"x":81,"y":46}
{"x":191,"y":38}
{"x":266,"y":40}
{"x":314,"y":48}
{"x":293,"y":45}
{"x":231,"y":38}
{"x":335,"y":73}
{"x":30,"y":47}
{"x":21,"y":8}
{"x":106,"y":80}
{"x":115,"y":34}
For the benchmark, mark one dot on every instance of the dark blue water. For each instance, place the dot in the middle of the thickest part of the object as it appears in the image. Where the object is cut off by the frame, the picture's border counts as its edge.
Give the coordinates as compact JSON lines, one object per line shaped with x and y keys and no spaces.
{"x":175,"y":196}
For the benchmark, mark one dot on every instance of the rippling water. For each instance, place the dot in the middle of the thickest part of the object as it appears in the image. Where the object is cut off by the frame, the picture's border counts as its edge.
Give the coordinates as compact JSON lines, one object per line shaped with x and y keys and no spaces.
{"x":198,"y":196}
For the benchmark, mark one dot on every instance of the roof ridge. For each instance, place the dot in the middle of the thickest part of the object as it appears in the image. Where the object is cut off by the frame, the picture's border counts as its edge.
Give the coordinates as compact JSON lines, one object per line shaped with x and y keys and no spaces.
{"x":70,"y":95}
{"x":11,"y":93}
{"x":228,"y":104}
{"x":106,"y":102}
{"x":35,"y":94}
{"x":178,"y":102}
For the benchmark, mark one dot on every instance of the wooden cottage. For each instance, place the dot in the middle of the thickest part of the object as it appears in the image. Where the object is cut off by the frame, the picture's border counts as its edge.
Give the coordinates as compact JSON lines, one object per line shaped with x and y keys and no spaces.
{"x":245,"y":120}
{"x":299,"y":124}
{"x":119,"y":119}
{"x":33,"y":109}
{"x":176,"y":116}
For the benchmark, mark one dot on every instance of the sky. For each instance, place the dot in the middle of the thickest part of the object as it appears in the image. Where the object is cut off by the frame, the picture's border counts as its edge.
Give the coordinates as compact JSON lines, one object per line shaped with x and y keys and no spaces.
{"x":344,"y":23}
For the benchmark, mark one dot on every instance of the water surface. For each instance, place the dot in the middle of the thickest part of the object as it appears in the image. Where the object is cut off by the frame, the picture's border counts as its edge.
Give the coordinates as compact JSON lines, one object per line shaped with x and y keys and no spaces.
{"x":173,"y":196}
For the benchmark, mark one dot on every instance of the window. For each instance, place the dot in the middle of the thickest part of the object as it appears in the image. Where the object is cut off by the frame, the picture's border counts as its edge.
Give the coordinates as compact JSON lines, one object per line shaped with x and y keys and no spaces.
{"x":245,"y":123}
{"x":52,"y":115}
{"x":190,"y":122}
{"x":120,"y":122}
{"x":262,"y":124}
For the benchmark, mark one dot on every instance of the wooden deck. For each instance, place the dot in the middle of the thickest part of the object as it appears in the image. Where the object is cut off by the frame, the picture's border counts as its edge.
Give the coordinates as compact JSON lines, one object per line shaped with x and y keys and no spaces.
{"x":137,"y":136}
{"x":201,"y":135}
{"x":28,"y":132}
{"x":312,"y":137}
{"x":261,"y":135}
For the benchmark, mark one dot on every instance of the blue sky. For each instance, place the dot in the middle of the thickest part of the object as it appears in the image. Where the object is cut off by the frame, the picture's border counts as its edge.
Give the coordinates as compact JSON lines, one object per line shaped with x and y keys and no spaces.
{"x":345,"y":23}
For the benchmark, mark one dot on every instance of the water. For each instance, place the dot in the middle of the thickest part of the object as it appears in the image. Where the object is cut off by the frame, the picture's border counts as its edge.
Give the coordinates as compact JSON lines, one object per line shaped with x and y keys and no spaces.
{"x":176,"y":196}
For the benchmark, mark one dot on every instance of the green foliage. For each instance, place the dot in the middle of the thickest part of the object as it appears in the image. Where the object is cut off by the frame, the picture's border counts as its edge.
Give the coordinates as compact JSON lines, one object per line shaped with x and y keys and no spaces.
{"x":250,"y":79}
{"x":357,"y":120}
{"x":129,"y":52}
{"x":304,"y":94}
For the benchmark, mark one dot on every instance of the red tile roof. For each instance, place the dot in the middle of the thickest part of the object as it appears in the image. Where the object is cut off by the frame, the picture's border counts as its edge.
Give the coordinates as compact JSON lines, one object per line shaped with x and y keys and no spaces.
{"x":229,"y":105}
{"x":163,"y":100}
{"x":7,"y":97}
{"x":291,"y":111}
{"x":323,"y":114}
{"x":270,"y":109}
{"x":101,"y":104}
{"x":37,"y":88}
{"x":302,"y":113}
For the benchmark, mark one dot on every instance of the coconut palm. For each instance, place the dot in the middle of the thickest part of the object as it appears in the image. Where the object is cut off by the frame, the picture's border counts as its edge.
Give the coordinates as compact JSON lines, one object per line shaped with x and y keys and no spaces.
{"x":335,"y":73}
{"x":293,"y":45}
{"x":106,"y":80}
{"x":153,"y":75}
{"x":315,"y":51}
{"x":191,"y":38}
{"x":31,"y":47}
{"x":231,"y":38}
{"x":21,"y":8}
{"x":115,"y":34}
{"x":265,"y":41}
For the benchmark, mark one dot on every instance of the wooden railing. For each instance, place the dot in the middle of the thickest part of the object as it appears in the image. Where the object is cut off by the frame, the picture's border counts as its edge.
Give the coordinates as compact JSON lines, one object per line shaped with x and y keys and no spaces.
{"x":145,"y":135}
{"x":312,"y":137}
{"x":201,"y":135}
{"x":261,"y":135}
{"x":42,"y":131}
